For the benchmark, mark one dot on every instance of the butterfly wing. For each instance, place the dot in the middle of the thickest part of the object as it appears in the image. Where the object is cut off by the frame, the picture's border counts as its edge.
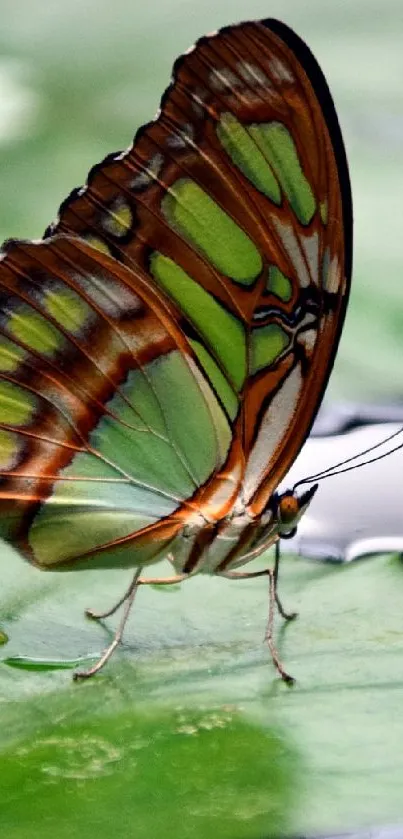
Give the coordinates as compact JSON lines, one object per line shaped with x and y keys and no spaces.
{"x":236,"y":203}
{"x":101,"y":402}
{"x":175,"y":359}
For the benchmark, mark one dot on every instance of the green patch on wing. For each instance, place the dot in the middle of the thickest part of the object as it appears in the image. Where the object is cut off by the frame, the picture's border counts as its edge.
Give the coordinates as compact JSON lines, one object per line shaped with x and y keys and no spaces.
{"x":324,"y":211}
{"x":132,"y":476}
{"x":119,"y":218}
{"x":247,"y":156}
{"x":11,"y":355}
{"x":220,"y":384}
{"x":201,"y":221}
{"x":10,"y":523}
{"x":223,"y":333}
{"x":10,"y":444}
{"x":266,"y":154}
{"x":17,"y":405}
{"x":35,"y":331}
{"x":279,"y":284}
{"x":67,"y":308}
{"x":62,"y":536}
{"x":67,"y":535}
{"x":277,"y":145}
{"x":162,"y":453}
{"x":267,"y":344}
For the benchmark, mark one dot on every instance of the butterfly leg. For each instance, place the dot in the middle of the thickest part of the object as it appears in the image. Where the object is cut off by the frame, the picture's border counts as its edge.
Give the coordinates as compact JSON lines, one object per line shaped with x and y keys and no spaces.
{"x":139,"y":581}
{"x":129,"y":598}
{"x":269,"y":631}
{"x":90,"y":613}
{"x":288,"y":616}
{"x":273,"y":602}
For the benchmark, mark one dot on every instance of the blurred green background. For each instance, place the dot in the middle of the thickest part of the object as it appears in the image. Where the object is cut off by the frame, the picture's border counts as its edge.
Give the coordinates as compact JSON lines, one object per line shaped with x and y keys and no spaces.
{"x":188,"y":733}
{"x":77,"y":79}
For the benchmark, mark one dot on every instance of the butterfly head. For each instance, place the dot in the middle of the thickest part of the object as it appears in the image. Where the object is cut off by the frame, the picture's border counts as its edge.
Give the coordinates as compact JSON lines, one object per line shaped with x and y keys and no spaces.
{"x":289,"y":507}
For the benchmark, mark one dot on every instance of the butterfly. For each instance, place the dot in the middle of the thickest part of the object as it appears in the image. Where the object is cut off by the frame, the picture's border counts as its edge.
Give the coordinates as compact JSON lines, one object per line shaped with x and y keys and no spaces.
{"x":165,"y":348}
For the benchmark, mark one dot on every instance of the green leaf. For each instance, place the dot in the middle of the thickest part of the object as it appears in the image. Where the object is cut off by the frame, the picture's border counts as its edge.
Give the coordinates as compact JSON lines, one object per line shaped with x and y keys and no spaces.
{"x":188,"y":731}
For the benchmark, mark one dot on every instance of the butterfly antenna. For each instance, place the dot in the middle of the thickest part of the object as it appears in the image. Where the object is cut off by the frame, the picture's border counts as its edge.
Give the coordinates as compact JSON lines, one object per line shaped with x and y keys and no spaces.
{"x":331,"y":471}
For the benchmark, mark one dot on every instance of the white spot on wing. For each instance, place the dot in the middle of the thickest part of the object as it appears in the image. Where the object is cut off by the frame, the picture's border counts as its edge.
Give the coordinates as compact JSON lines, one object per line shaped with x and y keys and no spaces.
{"x":310,"y":245}
{"x":308,"y":339}
{"x":199,"y":96}
{"x":273,"y":427}
{"x":112,"y":298}
{"x":224,"y":79}
{"x":280,"y":71}
{"x":182,"y":137}
{"x":149,"y":173}
{"x":175,"y":141}
{"x":140,"y":181}
{"x":332,"y":276}
{"x":293,"y":249}
{"x":252,"y":74}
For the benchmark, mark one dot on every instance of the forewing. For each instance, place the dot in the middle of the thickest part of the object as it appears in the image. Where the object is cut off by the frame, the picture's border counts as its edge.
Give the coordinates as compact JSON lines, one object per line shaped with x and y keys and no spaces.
{"x":236,"y":203}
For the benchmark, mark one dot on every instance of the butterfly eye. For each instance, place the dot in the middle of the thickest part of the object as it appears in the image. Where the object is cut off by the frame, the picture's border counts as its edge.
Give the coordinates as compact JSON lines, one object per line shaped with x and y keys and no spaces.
{"x":290,"y":508}
{"x":288,"y":512}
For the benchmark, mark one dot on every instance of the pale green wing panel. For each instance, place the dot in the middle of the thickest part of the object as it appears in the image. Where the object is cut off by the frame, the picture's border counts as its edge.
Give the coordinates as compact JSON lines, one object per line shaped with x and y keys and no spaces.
{"x":223,"y":333}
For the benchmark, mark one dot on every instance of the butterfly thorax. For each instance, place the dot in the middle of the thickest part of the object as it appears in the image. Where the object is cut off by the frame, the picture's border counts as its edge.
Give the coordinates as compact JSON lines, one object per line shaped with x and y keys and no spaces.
{"x":214,"y":547}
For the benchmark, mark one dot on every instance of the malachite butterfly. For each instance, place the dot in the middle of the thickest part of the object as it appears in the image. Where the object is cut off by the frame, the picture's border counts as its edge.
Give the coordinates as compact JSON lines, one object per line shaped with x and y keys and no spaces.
{"x":164,"y":350}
